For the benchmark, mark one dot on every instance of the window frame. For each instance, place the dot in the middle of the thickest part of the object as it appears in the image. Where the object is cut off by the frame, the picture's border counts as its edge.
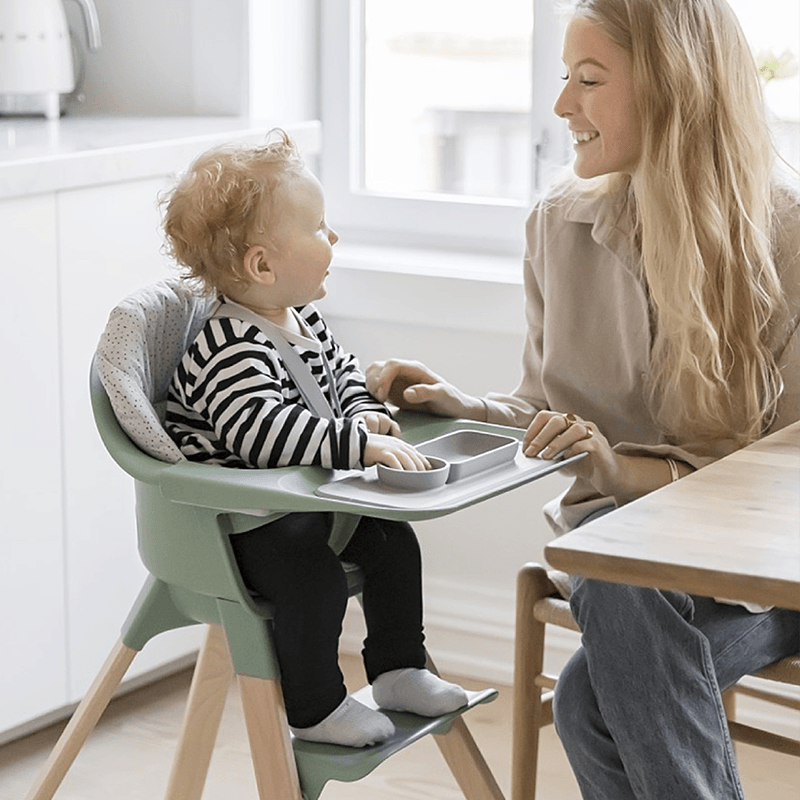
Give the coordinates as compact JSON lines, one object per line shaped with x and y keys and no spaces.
{"x":493,"y":226}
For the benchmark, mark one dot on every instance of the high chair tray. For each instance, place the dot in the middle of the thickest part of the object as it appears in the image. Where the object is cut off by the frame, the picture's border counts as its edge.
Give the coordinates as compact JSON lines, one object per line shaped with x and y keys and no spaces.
{"x":483,"y":473}
{"x":254,"y":493}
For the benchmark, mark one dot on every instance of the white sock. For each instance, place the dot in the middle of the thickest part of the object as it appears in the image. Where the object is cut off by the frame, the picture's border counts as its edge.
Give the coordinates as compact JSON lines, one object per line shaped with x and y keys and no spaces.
{"x":351,"y":723}
{"x":418,"y":691}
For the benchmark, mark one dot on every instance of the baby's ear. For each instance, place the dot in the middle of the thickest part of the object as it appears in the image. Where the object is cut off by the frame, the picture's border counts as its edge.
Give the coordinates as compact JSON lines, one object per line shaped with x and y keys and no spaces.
{"x":257,"y":267}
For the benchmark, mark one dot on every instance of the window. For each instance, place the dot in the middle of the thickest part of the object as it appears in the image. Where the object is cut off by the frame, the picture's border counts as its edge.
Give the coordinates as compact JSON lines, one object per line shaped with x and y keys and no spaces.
{"x":431,"y":117}
{"x":773,"y":29}
{"x":437,"y":115}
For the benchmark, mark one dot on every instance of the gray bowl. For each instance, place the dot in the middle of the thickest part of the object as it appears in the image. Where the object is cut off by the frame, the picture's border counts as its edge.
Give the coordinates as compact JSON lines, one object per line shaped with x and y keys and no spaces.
{"x":409,"y":481}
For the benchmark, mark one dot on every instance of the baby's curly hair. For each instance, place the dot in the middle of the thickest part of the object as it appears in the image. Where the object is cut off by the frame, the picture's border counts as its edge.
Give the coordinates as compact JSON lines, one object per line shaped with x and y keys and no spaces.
{"x":212,"y":209}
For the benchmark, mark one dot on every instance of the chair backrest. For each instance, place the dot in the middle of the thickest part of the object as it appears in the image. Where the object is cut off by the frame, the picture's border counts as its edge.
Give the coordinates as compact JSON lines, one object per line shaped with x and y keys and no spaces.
{"x":141,"y":346}
{"x":139,"y":350}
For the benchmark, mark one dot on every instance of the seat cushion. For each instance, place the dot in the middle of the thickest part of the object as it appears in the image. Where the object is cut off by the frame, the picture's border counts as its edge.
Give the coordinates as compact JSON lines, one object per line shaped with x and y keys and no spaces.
{"x":139,"y":350}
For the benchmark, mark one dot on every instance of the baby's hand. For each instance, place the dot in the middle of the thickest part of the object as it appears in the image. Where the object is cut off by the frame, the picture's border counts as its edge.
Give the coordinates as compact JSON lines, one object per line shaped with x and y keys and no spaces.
{"x":379,"y":423}
{"x":393,"y":452}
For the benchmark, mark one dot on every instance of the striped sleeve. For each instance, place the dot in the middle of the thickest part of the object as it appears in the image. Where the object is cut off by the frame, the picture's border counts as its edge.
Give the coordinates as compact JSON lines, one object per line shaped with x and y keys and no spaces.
{"x":232,"y":402}
{"x":351,"y":384}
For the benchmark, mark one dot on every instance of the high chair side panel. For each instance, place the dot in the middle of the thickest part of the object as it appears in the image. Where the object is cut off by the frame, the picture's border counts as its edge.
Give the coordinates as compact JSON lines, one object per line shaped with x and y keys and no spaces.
{"x":186,"y":546}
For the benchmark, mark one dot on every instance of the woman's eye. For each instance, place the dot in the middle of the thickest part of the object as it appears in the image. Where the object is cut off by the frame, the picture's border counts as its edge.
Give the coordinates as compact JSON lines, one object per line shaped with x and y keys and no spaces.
{"x":565,"y":77}
{"x":589,"y":83}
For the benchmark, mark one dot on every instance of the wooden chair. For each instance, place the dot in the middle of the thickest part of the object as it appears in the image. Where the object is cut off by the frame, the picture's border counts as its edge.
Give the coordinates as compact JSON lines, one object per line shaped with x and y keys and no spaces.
{"x":184,"y":519}
{"x":539,"y":604}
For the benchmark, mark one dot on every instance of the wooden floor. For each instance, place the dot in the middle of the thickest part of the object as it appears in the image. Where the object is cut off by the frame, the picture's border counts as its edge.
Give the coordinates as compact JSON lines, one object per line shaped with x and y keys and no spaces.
{"x":129,"y":756}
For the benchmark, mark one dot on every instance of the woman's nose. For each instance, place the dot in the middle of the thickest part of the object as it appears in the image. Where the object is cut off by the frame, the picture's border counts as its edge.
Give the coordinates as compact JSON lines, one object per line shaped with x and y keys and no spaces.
{"x":563,"y":106}
{"x":333,"y":237}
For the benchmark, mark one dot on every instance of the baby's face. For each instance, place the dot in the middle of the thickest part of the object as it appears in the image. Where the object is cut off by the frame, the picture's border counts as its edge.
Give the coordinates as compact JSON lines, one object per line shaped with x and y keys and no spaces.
{"x":302,"y":242}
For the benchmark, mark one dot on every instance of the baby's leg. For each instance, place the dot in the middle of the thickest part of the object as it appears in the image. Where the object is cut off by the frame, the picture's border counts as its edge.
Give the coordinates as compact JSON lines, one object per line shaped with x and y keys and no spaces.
{"x":394,"y":653}
{"x":289,"y":563}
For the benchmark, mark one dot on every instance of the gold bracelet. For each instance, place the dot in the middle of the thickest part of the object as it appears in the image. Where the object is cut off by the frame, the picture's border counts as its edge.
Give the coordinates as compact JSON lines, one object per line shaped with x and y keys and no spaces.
{"x":674,"y":475}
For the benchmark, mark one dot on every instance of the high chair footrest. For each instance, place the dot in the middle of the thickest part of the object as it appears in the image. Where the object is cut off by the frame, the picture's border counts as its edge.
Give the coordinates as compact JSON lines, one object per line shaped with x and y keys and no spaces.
{"x":317,"y":763}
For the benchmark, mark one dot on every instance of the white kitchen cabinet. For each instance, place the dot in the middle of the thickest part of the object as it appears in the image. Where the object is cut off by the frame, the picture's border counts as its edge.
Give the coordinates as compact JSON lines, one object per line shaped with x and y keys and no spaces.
{"x":33,"y":672}
{"x":110,"y":245}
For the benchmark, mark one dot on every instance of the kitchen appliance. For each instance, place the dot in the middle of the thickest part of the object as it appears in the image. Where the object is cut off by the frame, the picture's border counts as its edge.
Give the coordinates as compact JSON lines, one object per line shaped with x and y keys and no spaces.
{"x":36,"y":54}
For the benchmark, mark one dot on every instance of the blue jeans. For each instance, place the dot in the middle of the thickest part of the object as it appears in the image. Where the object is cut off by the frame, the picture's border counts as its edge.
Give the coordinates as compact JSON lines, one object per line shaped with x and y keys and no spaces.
{"x":638,"y":707}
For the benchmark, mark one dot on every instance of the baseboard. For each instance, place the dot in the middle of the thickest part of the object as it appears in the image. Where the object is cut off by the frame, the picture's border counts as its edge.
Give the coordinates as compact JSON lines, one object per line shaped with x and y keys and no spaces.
{"x":470,"y":633}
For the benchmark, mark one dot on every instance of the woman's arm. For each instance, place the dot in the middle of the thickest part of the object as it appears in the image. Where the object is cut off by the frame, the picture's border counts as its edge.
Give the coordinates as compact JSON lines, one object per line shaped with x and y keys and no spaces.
{"x":613,"y":474}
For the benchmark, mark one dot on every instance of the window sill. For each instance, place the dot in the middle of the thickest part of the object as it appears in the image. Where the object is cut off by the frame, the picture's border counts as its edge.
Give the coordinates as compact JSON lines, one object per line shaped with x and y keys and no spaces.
{"x":431,"y":288}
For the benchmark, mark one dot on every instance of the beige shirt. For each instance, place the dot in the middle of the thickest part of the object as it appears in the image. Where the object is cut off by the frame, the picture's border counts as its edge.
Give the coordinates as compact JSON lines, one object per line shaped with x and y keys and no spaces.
{"x":588,"y":338}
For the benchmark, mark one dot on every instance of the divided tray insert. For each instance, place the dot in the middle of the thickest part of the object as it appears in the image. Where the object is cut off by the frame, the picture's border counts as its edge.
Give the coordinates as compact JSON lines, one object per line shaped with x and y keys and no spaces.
{"x":470,"y":451}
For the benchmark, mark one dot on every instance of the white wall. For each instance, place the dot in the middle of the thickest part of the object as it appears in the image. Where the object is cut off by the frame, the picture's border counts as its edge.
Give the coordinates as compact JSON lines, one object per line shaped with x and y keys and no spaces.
{"x":214,"y":57}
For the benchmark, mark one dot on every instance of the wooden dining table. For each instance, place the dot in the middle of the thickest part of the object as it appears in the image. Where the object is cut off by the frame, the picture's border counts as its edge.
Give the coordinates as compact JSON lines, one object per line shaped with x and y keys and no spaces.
{"x":730,"y":530}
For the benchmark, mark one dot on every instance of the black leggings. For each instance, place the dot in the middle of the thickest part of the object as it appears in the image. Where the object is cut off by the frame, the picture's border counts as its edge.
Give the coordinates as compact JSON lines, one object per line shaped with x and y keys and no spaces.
{"x":290,"y":563}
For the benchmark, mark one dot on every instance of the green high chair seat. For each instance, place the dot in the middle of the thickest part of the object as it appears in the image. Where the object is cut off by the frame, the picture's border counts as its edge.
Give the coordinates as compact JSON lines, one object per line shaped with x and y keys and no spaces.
{"x":185,"y":514}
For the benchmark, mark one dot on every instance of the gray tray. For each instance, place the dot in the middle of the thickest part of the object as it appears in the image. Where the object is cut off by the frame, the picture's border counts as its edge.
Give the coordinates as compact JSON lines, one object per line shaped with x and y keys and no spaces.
{"x":364,"y":489}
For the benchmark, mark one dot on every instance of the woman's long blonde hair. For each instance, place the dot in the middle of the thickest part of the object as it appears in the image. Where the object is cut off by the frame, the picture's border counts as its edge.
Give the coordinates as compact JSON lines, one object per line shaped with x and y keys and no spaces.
{"x":701,"y":200}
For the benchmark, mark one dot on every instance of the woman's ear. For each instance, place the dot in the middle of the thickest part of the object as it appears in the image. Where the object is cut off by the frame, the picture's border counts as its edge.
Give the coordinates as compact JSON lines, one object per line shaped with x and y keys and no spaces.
{"x":256,"y":265}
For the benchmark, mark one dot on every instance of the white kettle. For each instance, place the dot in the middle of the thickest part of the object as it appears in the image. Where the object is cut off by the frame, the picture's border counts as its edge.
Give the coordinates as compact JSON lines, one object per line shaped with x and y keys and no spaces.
{"x":36,"y":64}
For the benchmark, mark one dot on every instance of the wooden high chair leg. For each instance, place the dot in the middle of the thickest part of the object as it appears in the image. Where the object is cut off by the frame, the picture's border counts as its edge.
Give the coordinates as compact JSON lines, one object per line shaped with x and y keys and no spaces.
{"x":465,"y":760}
{"x":467,"y":763}
{"x":210,"y":681}
{"x":270,"y":743}
{"x":83,"y":722}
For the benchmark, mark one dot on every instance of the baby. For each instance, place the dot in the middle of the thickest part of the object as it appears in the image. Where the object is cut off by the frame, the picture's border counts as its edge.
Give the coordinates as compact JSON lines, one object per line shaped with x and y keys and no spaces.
{"x":249,"y":224}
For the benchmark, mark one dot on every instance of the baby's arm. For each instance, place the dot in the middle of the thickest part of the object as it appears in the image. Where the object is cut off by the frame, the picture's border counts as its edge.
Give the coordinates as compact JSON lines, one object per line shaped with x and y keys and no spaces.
{"x":239,"y":391}
{"x":360,"y":404}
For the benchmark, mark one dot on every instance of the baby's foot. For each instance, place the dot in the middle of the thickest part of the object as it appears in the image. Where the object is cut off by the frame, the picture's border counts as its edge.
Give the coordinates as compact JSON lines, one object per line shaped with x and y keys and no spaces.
{"x":351,"y":723}
{"x":418,"y":691}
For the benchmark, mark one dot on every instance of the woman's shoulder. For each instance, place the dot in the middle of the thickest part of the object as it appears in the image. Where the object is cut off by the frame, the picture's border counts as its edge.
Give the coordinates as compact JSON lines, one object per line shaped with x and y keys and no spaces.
{"x":786,"y":230}
{"x":570,"y":199}
{"x":786,"y":206}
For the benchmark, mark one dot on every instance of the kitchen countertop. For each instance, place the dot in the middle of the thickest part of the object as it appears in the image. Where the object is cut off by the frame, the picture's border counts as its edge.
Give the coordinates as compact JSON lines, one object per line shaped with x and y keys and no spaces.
{"x":38,"y":155}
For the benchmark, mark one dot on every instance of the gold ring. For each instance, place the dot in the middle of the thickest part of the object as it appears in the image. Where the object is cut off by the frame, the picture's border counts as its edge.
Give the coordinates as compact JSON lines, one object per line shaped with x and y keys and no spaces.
{"x":570,"y":419}
{"x":589,"y":433}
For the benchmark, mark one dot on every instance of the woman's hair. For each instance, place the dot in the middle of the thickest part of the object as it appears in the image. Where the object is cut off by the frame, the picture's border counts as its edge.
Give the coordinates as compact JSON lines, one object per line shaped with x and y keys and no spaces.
{"x":217,"y":204}
{"x":702,"y":205}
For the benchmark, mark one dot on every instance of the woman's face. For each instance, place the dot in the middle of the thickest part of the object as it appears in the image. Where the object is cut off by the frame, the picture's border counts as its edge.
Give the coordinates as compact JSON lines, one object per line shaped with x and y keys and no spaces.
{"x":598,"y":102}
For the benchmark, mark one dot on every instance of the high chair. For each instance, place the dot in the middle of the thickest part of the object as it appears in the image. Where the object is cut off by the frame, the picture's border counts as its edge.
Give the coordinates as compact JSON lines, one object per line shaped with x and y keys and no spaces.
{"x":539,"y":604}
{"x":185,"y":513}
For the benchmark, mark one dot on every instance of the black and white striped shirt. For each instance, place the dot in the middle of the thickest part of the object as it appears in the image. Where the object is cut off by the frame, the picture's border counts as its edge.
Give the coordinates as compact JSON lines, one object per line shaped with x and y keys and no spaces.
{"x":233,"y":402}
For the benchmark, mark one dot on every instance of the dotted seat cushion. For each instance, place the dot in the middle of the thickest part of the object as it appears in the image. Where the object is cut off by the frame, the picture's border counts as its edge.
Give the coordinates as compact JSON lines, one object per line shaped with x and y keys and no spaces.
{"x":141,"y":346}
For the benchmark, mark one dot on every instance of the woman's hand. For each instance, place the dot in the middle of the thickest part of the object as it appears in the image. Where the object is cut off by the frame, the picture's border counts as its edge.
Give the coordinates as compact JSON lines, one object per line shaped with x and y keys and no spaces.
{"x":552,"y":433}
{"x":393,"y":452}
{"x":379,"y":423}
{"x":622,"y":477}
{"x":411,"y":385}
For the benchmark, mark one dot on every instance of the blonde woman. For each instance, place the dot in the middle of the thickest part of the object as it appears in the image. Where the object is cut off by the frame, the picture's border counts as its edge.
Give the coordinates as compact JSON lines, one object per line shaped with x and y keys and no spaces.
{"x":662,"y":302}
